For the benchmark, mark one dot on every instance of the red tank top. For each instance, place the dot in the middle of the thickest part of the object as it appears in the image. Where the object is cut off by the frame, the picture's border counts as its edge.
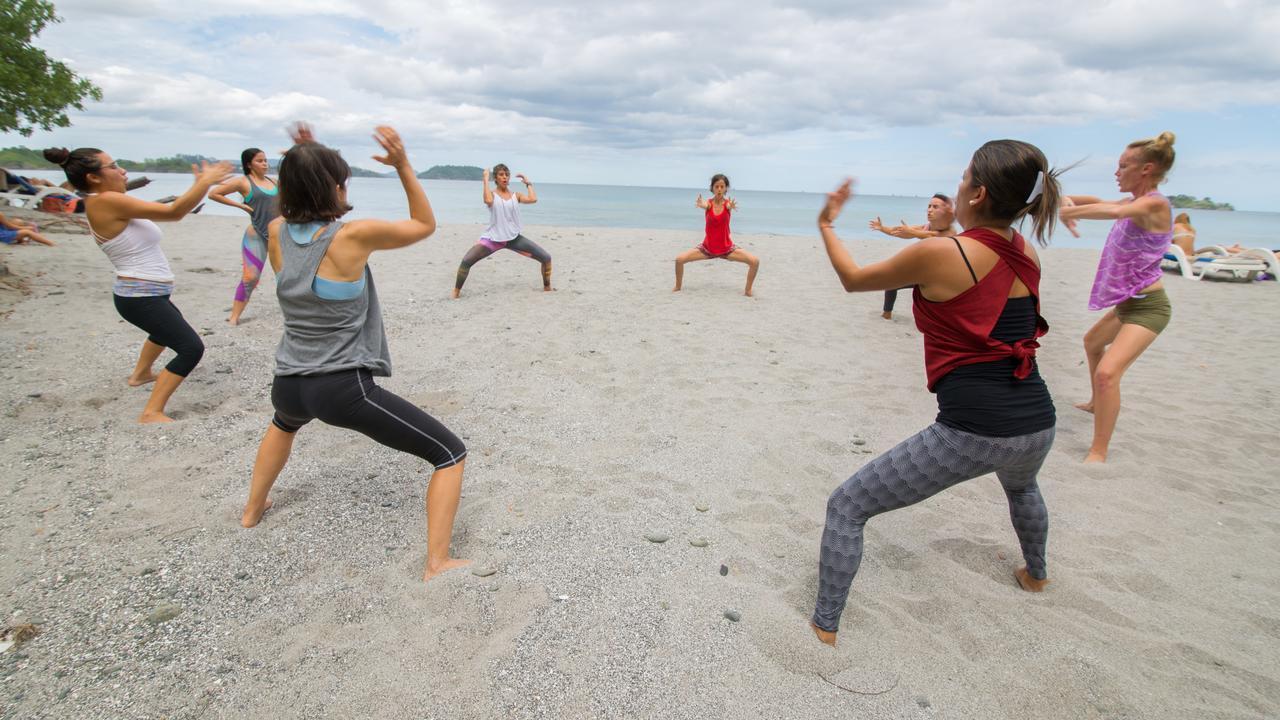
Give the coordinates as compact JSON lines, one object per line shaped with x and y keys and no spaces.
{"x":717,"y":241}
{"x":958,"y":332}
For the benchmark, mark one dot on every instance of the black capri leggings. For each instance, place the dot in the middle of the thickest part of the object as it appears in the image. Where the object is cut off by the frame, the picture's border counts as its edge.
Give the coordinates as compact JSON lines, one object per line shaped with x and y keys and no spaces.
{"x":350,"y":399}
{"x":165,"y":326}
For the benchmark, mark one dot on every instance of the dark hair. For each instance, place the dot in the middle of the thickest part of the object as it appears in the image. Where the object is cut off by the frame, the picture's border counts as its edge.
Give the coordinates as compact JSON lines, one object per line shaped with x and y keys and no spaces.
{"x":499,"y":168}
{"x":77,"y":164}
{"x":942,"y":197}
{"x":1008,"y":169}
{"x":310,"y":175}
{"x":247,"y":157}
{"x":719,"y":176}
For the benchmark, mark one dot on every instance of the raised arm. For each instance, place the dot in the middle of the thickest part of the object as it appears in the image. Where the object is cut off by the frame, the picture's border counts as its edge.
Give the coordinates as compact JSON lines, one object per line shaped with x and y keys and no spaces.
{"x":119,"y":207}
{"x":240,"y":185}
{"x":700,"y":203}
{"x":901,"y":270}
{"x":488,"y":191}
{"x":530,"y":197}
{"x":1147,"y":212}
{"x":373,"y":235}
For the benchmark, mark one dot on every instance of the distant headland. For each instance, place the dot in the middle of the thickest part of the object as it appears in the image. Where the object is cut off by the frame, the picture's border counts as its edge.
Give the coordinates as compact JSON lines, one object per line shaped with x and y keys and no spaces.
{"x":1195,"y":203}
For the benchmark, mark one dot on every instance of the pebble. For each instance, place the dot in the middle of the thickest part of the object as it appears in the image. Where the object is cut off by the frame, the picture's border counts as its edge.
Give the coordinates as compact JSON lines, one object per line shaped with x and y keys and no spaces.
{"x":923,"y":702}
{"x":724,"y":570}
{"x":493,"y":587}
{"x":242,"y":576}
{"x":164,"y":613}
{"x":655,"y":537}
{"x":483,"y":571}
{"x":732,"y":615}
{"x":859,"y":441}
{"x":34,"y":395}
{"x":702,"y":508}
{"x":147,"y":570}
{"x":699,"y":542}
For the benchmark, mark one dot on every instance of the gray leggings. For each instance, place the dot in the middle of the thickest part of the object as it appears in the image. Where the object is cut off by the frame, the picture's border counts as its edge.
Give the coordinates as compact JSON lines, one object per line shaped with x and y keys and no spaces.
{"x":920,"y":467}
{"x":520,"y":244}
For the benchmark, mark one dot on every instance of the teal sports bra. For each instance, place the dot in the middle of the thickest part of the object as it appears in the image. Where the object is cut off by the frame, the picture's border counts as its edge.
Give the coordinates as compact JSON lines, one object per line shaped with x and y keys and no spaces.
{"x":323,"y":288}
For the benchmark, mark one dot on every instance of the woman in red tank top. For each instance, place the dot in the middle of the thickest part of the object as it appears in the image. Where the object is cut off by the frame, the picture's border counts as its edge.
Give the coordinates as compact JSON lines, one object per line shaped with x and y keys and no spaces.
{"x":717,"y":243}
{"x":976,"y":301}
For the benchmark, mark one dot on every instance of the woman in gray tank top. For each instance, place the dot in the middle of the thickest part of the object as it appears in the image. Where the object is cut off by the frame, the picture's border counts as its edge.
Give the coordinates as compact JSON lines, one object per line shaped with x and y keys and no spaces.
{"x":259,"y":193}
{"x":333,"y":343}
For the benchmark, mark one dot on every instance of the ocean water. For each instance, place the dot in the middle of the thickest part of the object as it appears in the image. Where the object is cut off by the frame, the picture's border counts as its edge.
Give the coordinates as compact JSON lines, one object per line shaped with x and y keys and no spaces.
{"x":759,"y":212}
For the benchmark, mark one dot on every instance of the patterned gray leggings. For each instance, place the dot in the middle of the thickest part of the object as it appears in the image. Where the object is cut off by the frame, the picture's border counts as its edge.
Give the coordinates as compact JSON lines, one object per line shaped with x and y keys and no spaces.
{"x":920,"y":467}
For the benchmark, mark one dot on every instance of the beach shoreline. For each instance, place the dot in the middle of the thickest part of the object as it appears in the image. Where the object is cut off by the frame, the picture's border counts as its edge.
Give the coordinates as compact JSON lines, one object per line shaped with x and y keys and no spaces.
{"x":606,"y":411}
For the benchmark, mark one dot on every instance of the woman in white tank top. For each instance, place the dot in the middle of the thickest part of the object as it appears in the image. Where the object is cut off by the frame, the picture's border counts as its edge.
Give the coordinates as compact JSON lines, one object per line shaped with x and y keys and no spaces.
{"x":505,"y":230}
{"x":124,"y":229}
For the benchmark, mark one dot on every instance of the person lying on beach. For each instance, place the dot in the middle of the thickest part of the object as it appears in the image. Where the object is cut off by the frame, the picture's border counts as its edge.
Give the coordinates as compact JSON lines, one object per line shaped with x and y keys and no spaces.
{"x":504,"y":229}
{"x":259,"y":193}
{"x":123,"y":227}
{"x":977,"y":303}
{"x":940,"y":218}
{"x":334,"y":342}
{"x":717,"y":242}
{"x":1128,"y":284}
{"x":20,"y":232}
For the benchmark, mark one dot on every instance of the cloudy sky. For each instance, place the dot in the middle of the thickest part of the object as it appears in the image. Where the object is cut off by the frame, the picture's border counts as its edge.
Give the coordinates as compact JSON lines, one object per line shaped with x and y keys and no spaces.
{"x":785,"y":95}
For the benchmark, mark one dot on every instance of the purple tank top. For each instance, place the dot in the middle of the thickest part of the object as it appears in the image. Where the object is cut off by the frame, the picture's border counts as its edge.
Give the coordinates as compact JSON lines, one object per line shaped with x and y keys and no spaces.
{"x":1130,"y":261}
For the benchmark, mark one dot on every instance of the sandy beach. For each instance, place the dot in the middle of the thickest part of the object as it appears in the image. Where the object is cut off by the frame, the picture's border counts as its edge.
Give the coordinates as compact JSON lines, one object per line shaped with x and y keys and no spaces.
{"x":595,"y":415}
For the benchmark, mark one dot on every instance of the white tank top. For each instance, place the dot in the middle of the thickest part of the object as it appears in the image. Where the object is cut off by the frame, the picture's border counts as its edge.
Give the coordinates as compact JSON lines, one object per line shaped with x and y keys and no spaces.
{"x":504,"y":219}
{"x":136,"y":252}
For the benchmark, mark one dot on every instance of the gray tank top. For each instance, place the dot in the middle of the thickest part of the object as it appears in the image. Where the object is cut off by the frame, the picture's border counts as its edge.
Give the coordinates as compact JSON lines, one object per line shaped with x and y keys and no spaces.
{"x":265,"y":208}
{"x":325,"y":336}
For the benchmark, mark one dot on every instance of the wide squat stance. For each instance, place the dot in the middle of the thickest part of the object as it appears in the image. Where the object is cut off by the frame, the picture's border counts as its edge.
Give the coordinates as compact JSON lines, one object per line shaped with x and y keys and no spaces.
{"x":940,"y":217}
{"x":1128,"y":280}
{"x":504,"y":229}
{"x":977,"y":302}
{"x":717,"y":243}
{"x":125,"y":230}
{"x":334,"y":343}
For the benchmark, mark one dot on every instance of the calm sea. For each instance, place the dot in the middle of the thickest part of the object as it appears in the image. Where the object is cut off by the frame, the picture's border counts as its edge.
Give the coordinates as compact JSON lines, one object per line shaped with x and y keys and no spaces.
{"x":777,"y":213}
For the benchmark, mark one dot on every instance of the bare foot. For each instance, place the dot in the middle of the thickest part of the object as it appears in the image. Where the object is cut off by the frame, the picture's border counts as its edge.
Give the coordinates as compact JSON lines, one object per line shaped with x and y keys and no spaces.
{"x":675,"y":289}
{"x":1086,"y":406}
{"x":233,"y":320}
{"x":455,"y":294}
{"x":1095,"y":457}
{"x":1028,"y":583}
{"x":747,"y":293}
{"x":826,"y":637}
{"x":138,"y":380}
{"x":548,"y":289}
{"x":148,"y":418}
{"x":886,"y":315}
{"x":251,"y":517}
{"x":444,"y":567}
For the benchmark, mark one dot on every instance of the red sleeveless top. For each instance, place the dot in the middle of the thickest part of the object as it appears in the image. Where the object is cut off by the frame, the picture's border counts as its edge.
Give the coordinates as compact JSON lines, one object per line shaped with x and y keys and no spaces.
{"x":958,"y":331}
{"x":717,"y":241}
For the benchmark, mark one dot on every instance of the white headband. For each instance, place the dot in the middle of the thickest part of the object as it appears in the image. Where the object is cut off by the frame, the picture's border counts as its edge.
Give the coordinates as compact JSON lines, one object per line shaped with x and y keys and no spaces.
{"x":1036,"y":189}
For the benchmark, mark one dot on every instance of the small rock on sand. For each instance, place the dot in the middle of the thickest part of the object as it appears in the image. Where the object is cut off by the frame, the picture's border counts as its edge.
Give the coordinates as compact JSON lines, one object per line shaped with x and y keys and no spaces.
{"x":732,"y":615}
{"x":699,"y":542}
{"x":164,"y":613}
{"x":702,"y":507}
{"x":656,"y":537}
{"x":483,"y":571}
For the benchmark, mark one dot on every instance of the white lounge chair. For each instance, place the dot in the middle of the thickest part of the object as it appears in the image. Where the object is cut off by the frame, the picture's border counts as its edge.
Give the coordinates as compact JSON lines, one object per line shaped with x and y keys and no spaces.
{"x":1176,"y":259}
{"x":18,"y":196}
{"x":1240,"y":267}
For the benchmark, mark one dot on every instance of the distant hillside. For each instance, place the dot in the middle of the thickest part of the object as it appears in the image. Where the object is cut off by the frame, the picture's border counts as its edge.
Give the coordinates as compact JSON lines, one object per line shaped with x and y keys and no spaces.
{"x":361,"y":172}
{"x":21,"y":158}
{"x":1195,"y":203}
{"x":453,"y":172}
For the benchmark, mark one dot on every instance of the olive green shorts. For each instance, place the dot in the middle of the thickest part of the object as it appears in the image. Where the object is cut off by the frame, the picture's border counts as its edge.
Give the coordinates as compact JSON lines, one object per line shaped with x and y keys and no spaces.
{"x":1152,"y":311}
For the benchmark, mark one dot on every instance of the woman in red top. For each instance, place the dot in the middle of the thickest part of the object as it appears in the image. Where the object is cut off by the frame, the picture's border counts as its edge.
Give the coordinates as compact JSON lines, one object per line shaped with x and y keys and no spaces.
{"x":717,"y":243}
{"x":977,"y":303}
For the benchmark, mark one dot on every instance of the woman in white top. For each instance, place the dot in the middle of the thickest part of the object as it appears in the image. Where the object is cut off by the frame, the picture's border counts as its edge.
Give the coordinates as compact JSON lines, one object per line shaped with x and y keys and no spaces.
{"x":124,"y":229}
{"x":504,"y":228}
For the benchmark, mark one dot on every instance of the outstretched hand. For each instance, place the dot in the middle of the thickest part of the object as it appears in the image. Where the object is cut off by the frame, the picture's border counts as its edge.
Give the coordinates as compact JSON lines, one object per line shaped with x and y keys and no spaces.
{"x":1069,"y":222}
{"x":699,"y":201}
{"x":835,"y":203}
{"x":300,"y":132}
{"x":389,"y":139}
{"x":877,"y":225}
{"x":211,"y":173}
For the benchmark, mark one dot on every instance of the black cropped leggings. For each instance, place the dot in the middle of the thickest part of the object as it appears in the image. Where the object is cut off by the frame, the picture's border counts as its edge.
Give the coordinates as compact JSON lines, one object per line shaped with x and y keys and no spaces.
{"x":165,"y":326}
{"x":350,"y":399}
{"x":520,"y":244}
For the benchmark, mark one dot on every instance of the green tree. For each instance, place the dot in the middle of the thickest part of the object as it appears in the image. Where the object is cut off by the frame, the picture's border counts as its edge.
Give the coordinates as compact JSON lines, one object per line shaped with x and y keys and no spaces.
{"x":35,"y":91}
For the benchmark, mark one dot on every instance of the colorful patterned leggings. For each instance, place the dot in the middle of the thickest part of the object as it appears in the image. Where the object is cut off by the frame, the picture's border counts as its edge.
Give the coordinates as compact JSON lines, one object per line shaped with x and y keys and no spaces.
{"x":920,"y":467}
{"x":253,"y":254}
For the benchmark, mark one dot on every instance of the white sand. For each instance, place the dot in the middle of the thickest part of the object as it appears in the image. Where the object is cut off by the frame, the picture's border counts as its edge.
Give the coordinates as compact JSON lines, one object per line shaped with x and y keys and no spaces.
{"x":594,"y":415}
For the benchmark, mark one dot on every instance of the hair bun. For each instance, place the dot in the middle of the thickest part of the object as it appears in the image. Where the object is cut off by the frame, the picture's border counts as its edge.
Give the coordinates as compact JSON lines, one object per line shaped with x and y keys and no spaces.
{"x":58,"y":156}
{"x":1165,"y":138}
